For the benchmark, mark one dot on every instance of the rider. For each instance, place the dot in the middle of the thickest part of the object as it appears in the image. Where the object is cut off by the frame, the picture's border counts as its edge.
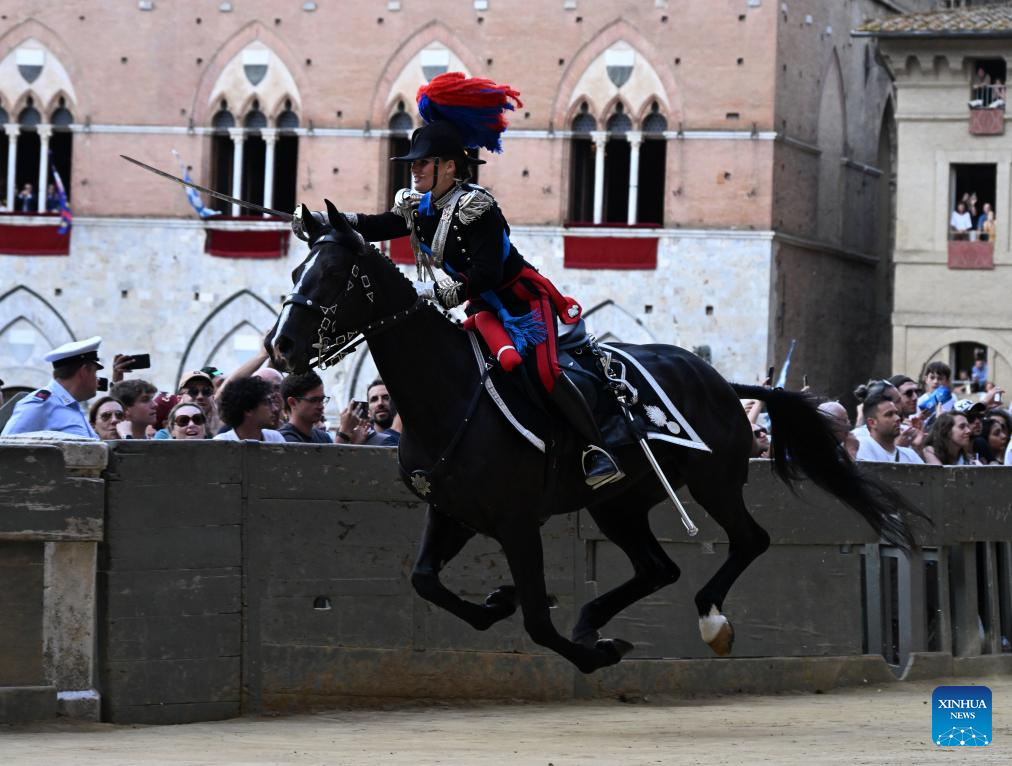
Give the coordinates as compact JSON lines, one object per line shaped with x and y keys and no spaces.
{"x":458,"y":227}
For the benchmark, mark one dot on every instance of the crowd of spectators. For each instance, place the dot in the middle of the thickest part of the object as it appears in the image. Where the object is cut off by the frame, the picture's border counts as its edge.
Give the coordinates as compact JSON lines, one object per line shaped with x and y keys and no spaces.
{"x":256,"y":402}
{"x":901,"y":420}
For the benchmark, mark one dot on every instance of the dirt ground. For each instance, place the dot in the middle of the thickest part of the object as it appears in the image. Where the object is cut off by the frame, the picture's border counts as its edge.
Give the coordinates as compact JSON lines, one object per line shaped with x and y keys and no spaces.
{"x":873,"y":725}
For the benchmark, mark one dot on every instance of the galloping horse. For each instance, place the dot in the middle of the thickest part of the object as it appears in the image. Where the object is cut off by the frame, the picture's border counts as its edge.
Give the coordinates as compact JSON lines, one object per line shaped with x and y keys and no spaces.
{"x":487,"y":479}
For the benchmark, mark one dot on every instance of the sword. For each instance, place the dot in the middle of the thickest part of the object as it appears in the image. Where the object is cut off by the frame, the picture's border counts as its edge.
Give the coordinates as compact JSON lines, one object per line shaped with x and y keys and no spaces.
{"x":241,"y":203}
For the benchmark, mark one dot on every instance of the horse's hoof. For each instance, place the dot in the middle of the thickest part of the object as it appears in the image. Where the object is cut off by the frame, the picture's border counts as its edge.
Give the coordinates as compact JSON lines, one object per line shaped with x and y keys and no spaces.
{"x":723,"y":641}
{"x":615,"y":648}
{"x":503,"y":596}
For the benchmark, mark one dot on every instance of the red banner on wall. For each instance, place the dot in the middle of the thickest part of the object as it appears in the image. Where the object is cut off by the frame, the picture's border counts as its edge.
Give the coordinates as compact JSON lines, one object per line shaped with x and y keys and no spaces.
{"x":400,"y":250}
{"x":971,"y":255}
{"x":247,"y":243}
{"x":610,"y":252}
{"x":34,"y":240}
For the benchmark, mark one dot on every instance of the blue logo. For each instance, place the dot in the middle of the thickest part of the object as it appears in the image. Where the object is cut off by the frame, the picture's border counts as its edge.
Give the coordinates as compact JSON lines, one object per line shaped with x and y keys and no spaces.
{"x":961,"y":716}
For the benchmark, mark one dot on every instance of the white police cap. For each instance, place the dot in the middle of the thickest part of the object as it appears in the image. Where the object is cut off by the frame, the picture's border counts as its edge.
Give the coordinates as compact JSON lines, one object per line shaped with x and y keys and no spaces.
{"x":75,"y":353}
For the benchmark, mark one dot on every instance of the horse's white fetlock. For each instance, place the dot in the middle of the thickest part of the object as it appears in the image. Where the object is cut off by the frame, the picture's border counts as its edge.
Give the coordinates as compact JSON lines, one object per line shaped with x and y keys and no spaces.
{"x":717,"y":632}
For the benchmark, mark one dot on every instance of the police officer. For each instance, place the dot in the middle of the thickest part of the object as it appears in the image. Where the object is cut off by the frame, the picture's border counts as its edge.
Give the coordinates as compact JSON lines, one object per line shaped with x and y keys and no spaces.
{"x":56,"y":406}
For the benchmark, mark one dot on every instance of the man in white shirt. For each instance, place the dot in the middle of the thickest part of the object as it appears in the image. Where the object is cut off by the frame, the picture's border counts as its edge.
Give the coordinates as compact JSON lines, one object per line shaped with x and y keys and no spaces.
{"x":883,"y":419}
{"x":247,"y":405}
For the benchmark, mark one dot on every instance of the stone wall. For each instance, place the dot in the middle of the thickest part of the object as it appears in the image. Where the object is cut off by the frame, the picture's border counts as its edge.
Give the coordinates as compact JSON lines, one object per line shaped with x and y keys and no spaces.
{"x":237,"y":578}
{"x":147,"y":286}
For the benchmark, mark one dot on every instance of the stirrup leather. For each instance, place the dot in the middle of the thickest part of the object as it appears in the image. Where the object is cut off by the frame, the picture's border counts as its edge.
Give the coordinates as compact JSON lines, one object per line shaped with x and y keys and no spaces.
{"x":599,"y":481}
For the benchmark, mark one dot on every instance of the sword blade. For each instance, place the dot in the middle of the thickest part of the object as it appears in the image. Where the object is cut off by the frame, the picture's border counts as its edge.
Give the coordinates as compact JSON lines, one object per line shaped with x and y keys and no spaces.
{"x":212,"y":192}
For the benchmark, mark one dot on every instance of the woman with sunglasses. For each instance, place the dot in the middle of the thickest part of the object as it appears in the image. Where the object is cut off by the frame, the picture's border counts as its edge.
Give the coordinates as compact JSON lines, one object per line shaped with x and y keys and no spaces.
{"x":187,"y":421}
{"x":105,"y":414}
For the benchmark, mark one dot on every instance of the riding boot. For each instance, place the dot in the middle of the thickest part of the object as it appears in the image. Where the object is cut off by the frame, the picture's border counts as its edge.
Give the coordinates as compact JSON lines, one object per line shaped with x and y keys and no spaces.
{"x":598,"y":466}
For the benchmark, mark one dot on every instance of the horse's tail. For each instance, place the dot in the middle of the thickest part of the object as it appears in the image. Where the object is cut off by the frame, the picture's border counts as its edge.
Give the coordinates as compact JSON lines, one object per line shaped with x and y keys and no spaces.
{"x":804,"y":445}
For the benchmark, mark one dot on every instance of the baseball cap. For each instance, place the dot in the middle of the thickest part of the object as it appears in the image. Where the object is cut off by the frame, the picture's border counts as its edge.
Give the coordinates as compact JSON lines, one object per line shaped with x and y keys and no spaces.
{"x":193,"y":375}
{"x":964,"y":406}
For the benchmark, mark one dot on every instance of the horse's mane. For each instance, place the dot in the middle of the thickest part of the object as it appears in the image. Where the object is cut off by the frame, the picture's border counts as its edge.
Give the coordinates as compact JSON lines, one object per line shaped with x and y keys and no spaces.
{"x":374,"y":251}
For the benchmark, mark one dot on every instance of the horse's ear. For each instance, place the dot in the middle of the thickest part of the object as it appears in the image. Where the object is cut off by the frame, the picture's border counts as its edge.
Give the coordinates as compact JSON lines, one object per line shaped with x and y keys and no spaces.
{"x":337,"y":219}
{"x":309,"y":223}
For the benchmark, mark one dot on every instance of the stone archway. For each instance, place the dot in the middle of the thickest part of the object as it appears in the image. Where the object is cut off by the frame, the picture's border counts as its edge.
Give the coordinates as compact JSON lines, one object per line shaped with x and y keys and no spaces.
{"x":29,"y":328}
{"x":226,"y":337}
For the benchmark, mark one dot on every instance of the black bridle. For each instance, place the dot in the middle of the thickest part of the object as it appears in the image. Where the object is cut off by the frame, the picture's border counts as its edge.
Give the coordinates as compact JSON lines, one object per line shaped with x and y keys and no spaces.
{"x":331,"y":350}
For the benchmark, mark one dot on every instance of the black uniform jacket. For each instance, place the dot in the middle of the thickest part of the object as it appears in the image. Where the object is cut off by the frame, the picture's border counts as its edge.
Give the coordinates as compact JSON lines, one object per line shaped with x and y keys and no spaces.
{"x":474,"y":250}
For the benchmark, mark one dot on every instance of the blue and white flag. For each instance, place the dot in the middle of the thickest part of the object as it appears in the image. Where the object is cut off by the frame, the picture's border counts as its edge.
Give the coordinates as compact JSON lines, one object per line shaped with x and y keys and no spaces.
{"x":782,"y":380}
{"x":192,"y":194}
{"x":66,"y":217}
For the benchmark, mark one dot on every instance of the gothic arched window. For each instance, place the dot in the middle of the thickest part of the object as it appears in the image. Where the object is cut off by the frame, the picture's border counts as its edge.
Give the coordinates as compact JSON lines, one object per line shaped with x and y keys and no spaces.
{"x":616,"y":167}
{"x":581,"y":166}
{"x":652,"y":168}
{"x":399,"y":173}
{"x":286,"y":160}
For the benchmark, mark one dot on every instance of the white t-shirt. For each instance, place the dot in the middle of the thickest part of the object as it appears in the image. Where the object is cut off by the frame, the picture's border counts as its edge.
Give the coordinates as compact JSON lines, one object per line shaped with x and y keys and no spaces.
{"x":869,"y":449}
{"x":269,"y":436}
{"x":960,"y":221}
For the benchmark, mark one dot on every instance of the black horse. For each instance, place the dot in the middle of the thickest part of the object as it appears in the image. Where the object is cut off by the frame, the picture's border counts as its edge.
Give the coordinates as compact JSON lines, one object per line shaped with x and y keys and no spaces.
{"x":487,"y":479}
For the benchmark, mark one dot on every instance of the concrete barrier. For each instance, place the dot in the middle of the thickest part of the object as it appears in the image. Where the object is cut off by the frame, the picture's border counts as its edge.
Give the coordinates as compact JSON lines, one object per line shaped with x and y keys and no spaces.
{"x":237,"y":578}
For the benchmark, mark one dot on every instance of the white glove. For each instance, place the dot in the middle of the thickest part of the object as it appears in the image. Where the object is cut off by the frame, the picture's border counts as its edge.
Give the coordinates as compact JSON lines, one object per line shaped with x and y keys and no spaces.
{"x":425,"y":289}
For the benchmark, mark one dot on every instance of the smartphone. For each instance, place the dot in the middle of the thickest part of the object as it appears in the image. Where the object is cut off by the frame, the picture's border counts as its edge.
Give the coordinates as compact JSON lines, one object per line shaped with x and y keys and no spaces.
{"x":103,"y":384}
{"x":804,"y":381}
{"x":997,"y":398}
{"x":140,"y":361}
{"x":361,"y":409}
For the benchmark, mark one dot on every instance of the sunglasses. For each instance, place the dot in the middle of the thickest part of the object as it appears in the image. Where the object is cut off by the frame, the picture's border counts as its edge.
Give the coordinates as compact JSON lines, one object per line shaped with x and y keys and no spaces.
{"x":182,"y":421}
{"x":313,"y":399}
{"x":912,"y":393}
{"x":105,"y":417}
{"x":204,"y":391}
{"x":760,"y":430}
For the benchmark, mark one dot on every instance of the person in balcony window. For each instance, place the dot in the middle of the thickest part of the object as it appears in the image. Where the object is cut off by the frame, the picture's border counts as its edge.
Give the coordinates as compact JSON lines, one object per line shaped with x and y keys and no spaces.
{"x":52,"y":199}
{"x":997,"y":95}
{"x":981,"y":88}
{"x":960,"y":222}
{"x":26,"y":199}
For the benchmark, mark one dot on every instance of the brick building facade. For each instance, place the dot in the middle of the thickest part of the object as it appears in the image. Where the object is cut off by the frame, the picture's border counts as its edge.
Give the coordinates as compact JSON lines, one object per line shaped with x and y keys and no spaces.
{"x":710,"y":174}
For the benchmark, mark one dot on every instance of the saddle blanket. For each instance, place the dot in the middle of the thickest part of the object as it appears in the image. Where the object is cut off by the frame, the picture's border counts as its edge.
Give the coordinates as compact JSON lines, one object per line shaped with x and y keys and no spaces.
{"x":655,"y":415}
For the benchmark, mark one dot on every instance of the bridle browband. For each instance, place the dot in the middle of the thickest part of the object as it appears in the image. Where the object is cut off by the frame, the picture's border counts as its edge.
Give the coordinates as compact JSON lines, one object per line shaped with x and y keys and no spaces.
{"x":330,"y":351}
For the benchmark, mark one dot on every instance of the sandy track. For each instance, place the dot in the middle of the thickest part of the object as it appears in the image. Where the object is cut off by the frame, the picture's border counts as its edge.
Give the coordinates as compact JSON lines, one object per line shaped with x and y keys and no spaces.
{"x":874,"y":725}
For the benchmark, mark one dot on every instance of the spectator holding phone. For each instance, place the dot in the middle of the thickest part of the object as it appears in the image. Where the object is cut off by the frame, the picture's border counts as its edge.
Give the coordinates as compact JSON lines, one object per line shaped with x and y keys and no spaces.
{"x":187,"y":421}
{"x":139,"y":409}
{"x":105,"y":414}
{"x":370,"y":422}
{"x":248,"y":409}
{"x":304,"y":400}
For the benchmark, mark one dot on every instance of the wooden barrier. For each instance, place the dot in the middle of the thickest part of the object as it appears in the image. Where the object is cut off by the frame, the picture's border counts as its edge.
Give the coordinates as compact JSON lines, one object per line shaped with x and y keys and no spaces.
{"x":249,"y":577}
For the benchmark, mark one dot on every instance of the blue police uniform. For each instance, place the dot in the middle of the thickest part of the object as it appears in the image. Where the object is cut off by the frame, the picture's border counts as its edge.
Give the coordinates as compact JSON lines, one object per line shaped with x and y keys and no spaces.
{"x":51,"y":408}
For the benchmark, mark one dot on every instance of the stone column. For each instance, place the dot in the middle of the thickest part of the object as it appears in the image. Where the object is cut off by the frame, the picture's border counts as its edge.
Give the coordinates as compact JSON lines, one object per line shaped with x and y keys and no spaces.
{"x":600,"y":138}
{"x":238,"y":136}
{"x":270,"y":136}
{"x":45,"y":131}
{"x":12,"y":131}
{"x":635,"y":138}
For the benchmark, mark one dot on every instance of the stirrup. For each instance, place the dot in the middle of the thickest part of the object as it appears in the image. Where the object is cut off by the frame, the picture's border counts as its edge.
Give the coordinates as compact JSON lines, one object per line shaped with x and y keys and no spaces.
{"x":594,"y":482}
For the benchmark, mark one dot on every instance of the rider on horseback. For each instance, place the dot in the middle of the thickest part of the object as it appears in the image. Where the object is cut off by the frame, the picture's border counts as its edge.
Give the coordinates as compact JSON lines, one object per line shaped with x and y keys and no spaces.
{"x":459,"y":227}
